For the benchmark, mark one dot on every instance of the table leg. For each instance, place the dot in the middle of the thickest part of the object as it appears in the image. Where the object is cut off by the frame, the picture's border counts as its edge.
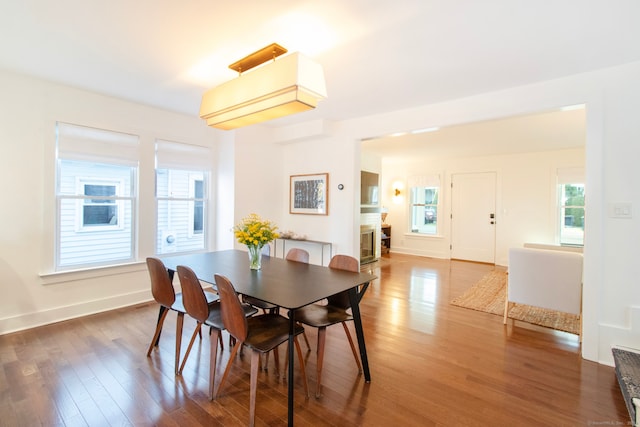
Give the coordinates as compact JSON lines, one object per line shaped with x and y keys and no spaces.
{"x":357,"y":320}
{"x":292,"y":324}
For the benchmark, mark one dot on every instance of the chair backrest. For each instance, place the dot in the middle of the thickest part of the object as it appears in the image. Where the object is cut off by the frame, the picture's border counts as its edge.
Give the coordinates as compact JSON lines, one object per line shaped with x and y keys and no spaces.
{"x":195,"y":302}
{"x":298,"y":255}
{"x":266,"y":250}
{"x":348,"y":263}
{"x":233,"y":315}
{"x":546,"y":278}
{"x":161,"y":286}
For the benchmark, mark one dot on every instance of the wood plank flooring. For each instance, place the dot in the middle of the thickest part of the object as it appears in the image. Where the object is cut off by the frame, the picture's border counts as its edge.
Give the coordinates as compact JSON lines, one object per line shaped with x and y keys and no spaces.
{"x":432,"y":364}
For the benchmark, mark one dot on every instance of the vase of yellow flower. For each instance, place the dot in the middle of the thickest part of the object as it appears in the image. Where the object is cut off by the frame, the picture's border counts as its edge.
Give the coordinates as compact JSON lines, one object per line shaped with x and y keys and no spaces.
{"x":255,"y":232}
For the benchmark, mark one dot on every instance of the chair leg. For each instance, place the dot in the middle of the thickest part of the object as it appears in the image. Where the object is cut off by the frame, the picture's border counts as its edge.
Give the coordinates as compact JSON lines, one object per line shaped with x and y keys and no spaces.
{"x":302,"y":367}
{"x":320,"y":358}
{"x":179,"y":325}
{"x":286,"y":363}
{"x":255,"y":360}
{"x":276,"y":360}
{"x":215,"y":336}
{"x":234,"y":351}
{"x":156,"y":335}
{"x":353,"y":347}
{"x":265,"y":367}
{"x":306,"y":340}
{"x":186,"y":355}
{"x":221,"y":342}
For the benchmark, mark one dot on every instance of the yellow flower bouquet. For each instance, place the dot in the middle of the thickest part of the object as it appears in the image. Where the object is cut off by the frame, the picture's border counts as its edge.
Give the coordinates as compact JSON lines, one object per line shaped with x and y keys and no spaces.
{"x":255,"y":232}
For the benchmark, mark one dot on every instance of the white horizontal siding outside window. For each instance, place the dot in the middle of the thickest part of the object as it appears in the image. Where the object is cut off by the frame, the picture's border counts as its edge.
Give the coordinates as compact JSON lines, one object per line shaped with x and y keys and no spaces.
{"x":182,"y":188}
{"x":96,"y":196}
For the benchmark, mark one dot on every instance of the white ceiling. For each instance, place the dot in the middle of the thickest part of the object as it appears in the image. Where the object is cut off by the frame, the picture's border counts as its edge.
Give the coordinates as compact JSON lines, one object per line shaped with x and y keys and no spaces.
{"x":378,"y":55}
{"x":548,"y":131}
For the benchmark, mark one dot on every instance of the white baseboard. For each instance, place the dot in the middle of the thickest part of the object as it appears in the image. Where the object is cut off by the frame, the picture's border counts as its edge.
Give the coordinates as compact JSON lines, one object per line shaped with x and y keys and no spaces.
{"x":625,"y":336}
{"x":58,"y":314}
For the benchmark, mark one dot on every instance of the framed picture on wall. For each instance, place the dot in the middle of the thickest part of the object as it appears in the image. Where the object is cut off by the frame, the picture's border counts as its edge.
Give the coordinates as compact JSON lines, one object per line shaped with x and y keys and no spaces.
{"x":309,"y":194}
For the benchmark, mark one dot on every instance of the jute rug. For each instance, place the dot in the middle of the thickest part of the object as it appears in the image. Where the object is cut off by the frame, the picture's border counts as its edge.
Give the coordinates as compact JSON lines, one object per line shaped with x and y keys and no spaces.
{"x":488,"y":295}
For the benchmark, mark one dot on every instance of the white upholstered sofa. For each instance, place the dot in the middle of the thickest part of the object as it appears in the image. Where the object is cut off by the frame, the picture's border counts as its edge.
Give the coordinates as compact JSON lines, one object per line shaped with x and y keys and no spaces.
{"x":544,"y":278}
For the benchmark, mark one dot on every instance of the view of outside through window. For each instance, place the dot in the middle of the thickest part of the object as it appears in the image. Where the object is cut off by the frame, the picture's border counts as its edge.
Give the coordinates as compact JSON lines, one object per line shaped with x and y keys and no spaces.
{"x":198,"y":208}
{"x":95,"y":213}
{"x":572,"y":214}
{"x":100,"y":210}
{"x":182,"y":207}
{"x":424,"y":210}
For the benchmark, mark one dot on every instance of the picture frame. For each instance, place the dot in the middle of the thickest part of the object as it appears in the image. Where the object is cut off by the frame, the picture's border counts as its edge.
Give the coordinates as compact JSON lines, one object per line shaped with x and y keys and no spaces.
{"x":309,"y":194}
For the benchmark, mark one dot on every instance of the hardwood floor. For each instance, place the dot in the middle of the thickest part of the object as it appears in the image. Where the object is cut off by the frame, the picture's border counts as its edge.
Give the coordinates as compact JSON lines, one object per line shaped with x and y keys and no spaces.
{"x":432,"y":364}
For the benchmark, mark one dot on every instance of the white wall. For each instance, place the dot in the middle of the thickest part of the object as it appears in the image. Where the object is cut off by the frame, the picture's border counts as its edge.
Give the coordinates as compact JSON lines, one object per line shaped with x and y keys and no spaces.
{"x":525,"y":202}
{"x":29,"y":109}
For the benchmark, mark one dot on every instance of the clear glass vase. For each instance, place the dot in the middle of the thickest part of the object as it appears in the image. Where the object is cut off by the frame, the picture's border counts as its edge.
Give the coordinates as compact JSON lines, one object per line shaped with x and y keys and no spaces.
{"x":255,"y":257}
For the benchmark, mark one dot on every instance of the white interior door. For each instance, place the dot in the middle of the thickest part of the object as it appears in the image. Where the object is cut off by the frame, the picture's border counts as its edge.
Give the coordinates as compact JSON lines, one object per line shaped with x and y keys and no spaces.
{"x":473,"y":208}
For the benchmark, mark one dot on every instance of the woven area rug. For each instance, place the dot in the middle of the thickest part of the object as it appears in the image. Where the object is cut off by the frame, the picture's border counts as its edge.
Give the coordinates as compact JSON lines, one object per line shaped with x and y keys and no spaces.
{"x":488,"y":295}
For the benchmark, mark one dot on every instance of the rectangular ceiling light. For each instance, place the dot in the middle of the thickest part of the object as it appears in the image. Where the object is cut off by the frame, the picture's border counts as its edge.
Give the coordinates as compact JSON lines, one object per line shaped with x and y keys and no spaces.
{"x":288,"y":85}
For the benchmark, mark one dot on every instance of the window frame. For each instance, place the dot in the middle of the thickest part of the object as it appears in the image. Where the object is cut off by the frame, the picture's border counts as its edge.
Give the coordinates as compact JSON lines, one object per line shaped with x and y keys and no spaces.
{"x":413,"y":205}
{"x":86,"y":156}
{"x":417,"y":198}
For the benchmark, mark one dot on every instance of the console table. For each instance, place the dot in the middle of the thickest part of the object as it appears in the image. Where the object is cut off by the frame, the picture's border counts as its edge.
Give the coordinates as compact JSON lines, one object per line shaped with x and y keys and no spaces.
{"x":385,"y":239}
{"x":322,"y":246}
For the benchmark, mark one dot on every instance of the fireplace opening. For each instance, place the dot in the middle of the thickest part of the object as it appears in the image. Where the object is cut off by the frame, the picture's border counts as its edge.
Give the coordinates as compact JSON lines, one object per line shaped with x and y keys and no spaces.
{"x":367,"y":244}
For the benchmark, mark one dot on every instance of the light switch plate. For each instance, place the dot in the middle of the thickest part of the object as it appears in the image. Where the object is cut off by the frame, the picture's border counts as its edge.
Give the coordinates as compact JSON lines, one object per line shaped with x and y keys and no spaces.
{"x":621,"y":210}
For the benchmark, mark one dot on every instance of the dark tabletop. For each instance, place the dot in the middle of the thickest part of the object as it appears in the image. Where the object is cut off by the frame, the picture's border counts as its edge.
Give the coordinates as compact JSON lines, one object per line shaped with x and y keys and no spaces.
{"x":288,"y":284}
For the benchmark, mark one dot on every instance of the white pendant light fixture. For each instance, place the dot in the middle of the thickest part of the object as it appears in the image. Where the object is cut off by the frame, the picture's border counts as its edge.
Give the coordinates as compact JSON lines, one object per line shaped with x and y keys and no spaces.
{"x":289,"y":85}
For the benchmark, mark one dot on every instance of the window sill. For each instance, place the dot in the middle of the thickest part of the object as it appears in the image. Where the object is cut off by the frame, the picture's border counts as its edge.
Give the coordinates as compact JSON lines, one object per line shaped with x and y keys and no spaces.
{"x":90,"y":273}
{"x":423,"y":236}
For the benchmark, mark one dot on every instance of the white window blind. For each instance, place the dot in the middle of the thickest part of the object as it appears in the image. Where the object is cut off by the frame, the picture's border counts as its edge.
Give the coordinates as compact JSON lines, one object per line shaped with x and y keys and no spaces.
{"x":177,"y":155}
{"x":77,"y":142}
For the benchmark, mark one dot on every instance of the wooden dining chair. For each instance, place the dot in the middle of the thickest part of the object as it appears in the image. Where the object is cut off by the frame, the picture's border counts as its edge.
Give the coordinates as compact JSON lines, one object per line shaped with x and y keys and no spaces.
{"x":294,"y":254}
{"x":165,"y":295}
{"x":196,"y":306}
{"x":335,"y":311}
{"x":261,"y":333}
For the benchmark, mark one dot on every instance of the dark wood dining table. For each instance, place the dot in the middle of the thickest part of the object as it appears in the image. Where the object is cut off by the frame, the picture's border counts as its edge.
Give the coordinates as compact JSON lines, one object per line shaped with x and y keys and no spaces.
{"x":287,"y":284}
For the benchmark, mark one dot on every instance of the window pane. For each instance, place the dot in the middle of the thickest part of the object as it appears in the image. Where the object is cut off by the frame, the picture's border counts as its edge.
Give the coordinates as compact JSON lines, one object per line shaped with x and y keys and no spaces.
{"x":182,"y":207}
{"x":198,"y":207}
{"x":95,"y":213}
{"x":95,"y":245}
{"x":100,"y":215}
{"x":175,"y":229}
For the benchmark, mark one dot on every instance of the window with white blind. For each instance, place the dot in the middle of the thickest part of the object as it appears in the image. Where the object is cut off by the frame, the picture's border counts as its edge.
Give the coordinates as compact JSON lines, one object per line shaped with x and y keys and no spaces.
{"x":571,"y":205}
{"x":182,"y":188}
{"x":96,"y":196}
{"x":423,"y":203}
